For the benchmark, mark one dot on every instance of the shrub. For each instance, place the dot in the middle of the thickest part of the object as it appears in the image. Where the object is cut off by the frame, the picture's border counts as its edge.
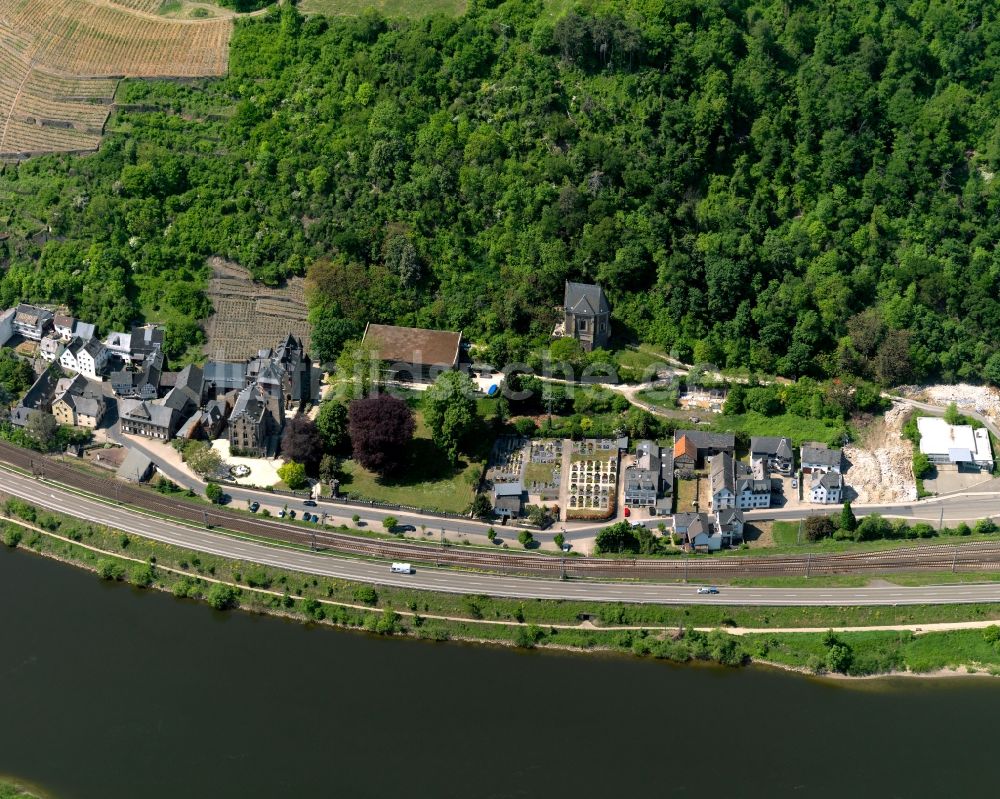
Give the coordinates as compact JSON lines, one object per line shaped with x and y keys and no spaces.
{"x":525,"y":538}
{"x":386,"y":624}
{"x":141,"y":575}
{"x":559,"y":539}
{"x":11,"y":536}
{"x":985,"y":527}
{"x":110,"y":569}
{"x":390,"y":523}
{"x":222,"y":597}
{"x":525,"y":427}
{"x":213,"y":492}
{"x":365,"y":594}
{"x":313,"y":609}
{"x":818,"y":528}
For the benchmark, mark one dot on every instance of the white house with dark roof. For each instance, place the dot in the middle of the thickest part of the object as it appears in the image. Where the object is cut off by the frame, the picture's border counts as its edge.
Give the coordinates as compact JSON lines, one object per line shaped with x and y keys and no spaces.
{"x":826,"y":488}
{"x":732,"y":485}
{"x":586,"y":316}
{"x":816,"y":457}
{"x":31,"y":321}
{"x":86,"y":357}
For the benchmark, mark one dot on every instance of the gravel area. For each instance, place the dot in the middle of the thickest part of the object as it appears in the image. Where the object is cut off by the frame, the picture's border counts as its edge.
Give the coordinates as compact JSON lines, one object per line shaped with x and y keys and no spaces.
{"x":984,"y":399}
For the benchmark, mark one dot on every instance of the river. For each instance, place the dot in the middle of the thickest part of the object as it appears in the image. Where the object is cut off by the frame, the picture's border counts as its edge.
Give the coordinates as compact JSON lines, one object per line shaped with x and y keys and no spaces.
{"x":107,"y":692}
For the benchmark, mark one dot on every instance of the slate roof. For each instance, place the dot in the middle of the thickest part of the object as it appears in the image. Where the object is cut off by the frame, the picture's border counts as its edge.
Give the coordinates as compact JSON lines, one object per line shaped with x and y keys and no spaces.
{"x":813,"y":452}
{"x":585,"y":299}
{"x":828,"y":480}
{"x":773,"y":446}
{"x":135,"y":466}
{"x":414,"y":345}
{"x":703,"y":439}
{"x":515,"y":489}
{"x":251,"y":403}
{"x":225,"y":375}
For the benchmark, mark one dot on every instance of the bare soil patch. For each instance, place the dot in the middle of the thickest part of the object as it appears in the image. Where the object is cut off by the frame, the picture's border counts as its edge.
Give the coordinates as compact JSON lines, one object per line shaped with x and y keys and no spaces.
{"x":249,"y":316}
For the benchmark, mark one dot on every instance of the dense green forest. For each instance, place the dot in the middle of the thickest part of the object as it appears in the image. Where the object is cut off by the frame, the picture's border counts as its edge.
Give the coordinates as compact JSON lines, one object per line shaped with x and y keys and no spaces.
{"x":800,"y":188}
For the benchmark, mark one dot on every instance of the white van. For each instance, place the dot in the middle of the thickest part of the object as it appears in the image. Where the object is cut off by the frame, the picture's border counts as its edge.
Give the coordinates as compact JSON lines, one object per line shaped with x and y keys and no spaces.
{"x":401,"y":568}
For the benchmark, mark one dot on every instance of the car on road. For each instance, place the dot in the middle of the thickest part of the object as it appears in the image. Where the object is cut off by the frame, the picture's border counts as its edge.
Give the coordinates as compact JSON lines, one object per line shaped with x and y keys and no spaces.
{"x":708,"y":589}
{"x":401,"y":568}
{"x":310,"y":503}
{"x":254,"y":507}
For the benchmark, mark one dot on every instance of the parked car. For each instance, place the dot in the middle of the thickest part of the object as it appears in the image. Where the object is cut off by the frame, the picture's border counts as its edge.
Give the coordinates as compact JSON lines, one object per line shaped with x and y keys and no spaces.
{"x":282,"y":513}
{"x":291,"y":514}
{"x":310,"y":503}
{"x":254,"y":507}
{"x":566,"y":547}
{"x":708,"y":589}
{"x":306,"y":517}
{"x":404,"y":528}
{"x":795,"y":483}
{"x":628,"y":512}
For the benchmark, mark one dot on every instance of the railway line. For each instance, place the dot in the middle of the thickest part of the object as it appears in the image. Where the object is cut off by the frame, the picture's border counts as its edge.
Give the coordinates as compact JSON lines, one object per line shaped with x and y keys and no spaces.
{"x":970,"y":557}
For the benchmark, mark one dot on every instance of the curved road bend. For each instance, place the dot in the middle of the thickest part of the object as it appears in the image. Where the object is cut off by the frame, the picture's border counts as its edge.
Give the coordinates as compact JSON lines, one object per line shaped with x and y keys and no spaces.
{"x":52,"y":497}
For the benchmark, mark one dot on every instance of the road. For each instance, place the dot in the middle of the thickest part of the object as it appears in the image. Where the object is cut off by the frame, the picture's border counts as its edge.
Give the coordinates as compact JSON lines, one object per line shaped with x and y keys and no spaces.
{"x":52,"y":497}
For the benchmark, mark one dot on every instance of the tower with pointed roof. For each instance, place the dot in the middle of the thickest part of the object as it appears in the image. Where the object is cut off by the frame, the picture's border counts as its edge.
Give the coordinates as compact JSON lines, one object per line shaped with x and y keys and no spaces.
{"x":587,"y":315}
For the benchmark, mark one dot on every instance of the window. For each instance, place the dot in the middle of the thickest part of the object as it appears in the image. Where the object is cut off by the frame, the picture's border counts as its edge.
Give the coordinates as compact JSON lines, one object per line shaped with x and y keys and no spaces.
{"x":583,"y":325}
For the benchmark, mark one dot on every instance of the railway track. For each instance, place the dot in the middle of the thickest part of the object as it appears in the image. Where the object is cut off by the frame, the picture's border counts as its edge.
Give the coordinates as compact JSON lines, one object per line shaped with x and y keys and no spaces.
{"x":978,"y":556}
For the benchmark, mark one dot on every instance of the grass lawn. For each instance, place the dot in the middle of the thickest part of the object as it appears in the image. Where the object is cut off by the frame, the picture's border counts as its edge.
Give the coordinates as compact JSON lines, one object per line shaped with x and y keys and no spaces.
{"x":797,"y":428}
{"x":687,"y":493}
{"x":390,"y":8}
{"x":538,"y":473}
{"x":427,"y":481}
{"x":665,"y":398}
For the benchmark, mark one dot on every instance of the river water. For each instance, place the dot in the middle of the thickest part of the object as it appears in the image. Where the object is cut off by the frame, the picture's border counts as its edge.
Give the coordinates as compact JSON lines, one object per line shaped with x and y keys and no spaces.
{"x":107,"y":692}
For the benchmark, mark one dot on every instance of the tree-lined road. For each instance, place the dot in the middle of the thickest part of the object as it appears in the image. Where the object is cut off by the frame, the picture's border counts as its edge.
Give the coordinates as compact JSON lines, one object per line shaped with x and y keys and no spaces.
{"x":53,"y":497}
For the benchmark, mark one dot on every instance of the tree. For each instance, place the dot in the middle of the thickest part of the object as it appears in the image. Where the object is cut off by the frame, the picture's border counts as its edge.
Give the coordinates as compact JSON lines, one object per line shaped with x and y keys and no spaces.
{"x":329,"y":466}
{"x":222,"y":597}
{"x":921,"y":465}
{"x":202,"y":458}
{"x":848,"y":522}
{"x":390,"y":523}
{"x":381,"y":429}
{"x":331,"y":421}
{"x":525,"y":538}
{"x":293,"y":474}
{"x":818,"y":527}
{"x":491,"y":534}
{"x":330,"y":333}
{"x":213,"y":492}
{"x":559,"y":539}
{"x":619,"y":537}
{"x":301,"y":442}
{"x":481,"y":507}
{"x":357,"y":370}
{"x":952,"y":415}
{"x":450,"y":411}
{"x":42,"y":428}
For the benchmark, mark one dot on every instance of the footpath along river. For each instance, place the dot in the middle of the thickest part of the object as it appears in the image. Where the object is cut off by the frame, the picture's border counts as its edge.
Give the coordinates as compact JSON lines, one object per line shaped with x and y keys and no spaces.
{"x":107,"y":692}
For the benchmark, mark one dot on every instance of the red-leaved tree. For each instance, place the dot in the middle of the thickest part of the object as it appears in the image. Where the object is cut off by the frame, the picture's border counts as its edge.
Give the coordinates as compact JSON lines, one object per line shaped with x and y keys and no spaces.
{"x":380,"y":427}
{"x":302,"y":442}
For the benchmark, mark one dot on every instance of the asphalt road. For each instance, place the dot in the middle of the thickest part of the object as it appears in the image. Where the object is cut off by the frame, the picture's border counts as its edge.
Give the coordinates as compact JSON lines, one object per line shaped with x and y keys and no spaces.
{"x":50,"y":496}
{"x":982,"y":502}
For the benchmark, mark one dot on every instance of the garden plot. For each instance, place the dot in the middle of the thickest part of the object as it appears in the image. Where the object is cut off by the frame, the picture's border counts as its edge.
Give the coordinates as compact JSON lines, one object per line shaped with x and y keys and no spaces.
{"x":593,"y":479}
{"x":249,"y":316}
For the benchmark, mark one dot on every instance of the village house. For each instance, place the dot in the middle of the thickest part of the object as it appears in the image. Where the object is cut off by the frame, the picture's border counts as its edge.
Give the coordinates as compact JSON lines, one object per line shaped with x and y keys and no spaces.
{"x":142,"y":383}
{"x":705,"y":444}
{"x":136,"y":346}
{"x":85,"y":357}
{"x":78,"y":403}
{"x":958,"y":445}
{"x":412,"y":354}
{"x":818,"y":457}
{"x":37,"y":399}
{"x":586,"y":316}
{"x":771,"y":453}
{"x":729,"y":524}
{"x":67,"y":327}
{"x":256,"y":419}
{"x":648,"y":483}
{"x":148,"y":418}
{"x":685,"y":454}
{"x":32,"y":322}
{"x":7,"y":325}
{"x":205,"y":423}
{"x":826,"y":488}
{"x":508,"y":499}
{"x":697,"y":531}
{"x":732,"y":485}
{"x":51,"y":347}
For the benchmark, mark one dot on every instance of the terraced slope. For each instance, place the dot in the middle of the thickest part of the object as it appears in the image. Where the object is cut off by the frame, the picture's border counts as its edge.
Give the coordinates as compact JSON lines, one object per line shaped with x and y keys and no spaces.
{"x":60,"y":59}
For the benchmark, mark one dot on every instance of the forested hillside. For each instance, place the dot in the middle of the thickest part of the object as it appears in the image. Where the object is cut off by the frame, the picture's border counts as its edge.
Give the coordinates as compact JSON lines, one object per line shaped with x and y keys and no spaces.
{"x":801,"y":188}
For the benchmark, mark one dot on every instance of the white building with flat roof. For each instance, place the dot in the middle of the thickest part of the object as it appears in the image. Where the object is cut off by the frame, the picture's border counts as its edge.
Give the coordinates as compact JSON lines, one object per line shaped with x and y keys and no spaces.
{"x":954,"y":443}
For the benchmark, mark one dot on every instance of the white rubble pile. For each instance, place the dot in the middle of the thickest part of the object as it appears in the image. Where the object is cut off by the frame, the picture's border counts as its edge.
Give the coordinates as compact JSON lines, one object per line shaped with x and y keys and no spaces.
{"x":882,"y":471}
{"x":984,"y":399}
